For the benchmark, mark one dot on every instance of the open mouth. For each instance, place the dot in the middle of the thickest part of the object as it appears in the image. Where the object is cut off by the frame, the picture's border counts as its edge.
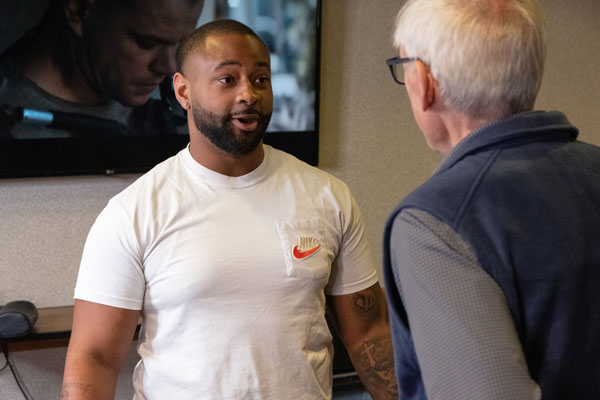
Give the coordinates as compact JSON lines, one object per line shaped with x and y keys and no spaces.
{"x":245,"y":122}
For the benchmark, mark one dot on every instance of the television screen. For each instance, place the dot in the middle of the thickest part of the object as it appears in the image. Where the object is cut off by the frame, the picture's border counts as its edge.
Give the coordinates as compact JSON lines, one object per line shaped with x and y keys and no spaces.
{"x":87,"y":89}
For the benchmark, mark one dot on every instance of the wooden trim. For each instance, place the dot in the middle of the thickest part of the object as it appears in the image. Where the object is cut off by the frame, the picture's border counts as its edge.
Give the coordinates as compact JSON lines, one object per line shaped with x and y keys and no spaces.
{"x":52,"y":329}
{"x":54,"y":321}
{"x":37,"y":344}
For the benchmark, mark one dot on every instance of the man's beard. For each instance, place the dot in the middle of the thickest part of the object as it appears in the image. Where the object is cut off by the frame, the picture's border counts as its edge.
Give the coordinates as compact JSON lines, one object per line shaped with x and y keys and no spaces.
{"x":221,"y":132}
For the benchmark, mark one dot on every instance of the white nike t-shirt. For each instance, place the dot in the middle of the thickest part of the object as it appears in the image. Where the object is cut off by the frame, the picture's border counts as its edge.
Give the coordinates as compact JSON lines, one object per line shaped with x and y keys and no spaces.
{"x":230,"y":274}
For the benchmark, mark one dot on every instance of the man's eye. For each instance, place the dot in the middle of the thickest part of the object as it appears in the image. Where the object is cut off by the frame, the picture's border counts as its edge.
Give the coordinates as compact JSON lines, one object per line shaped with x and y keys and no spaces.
{"x":263,"y":80}
{"x":144,"y":43}
{"x":226,"y":80}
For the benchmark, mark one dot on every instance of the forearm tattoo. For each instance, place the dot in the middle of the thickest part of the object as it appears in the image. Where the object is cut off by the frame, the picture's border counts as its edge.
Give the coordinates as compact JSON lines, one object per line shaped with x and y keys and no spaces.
{"x":72,"y":389}
{"x":374,"y":363}
{"x":365,"y":301}
{"x":373,"y":359}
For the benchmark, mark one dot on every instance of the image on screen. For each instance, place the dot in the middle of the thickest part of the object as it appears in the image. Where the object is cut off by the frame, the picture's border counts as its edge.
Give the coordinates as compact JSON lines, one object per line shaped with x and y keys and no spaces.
{"x":90,"y":91}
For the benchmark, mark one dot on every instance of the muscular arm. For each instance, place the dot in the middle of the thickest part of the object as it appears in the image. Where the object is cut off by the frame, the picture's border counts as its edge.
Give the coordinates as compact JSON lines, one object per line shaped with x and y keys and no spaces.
{"x":361,"y":319}
{"x":100,"y":339}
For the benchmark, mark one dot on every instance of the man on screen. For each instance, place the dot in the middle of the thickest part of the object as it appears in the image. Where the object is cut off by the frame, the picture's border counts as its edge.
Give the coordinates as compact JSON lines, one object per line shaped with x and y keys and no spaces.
{"x":101,"y":58}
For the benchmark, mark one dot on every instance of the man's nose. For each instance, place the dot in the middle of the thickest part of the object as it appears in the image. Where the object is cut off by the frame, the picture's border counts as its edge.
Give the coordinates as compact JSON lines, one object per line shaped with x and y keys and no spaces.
{"x":164,"y":62}
{"x":248,"y":93}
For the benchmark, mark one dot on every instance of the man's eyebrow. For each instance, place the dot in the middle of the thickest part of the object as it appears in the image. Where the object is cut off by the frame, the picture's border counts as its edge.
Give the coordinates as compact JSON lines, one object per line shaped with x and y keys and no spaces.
{"x":263,"y":64}
{"x":234,"y":62}
{"x":226,"y":63}
{"x":151,"y":38}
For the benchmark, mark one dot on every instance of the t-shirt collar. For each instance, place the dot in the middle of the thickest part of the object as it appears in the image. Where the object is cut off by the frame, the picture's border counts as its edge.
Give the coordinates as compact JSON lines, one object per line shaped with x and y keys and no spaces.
{"x":217,"y":179}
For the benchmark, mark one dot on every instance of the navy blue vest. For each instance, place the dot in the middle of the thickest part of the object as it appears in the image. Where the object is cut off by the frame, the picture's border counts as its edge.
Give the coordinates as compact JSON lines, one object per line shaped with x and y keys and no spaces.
{"x":526,"y":197}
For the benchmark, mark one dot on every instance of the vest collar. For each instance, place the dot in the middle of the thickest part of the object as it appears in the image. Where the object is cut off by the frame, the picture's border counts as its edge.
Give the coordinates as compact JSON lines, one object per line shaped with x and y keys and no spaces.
{"x":518,"y":128}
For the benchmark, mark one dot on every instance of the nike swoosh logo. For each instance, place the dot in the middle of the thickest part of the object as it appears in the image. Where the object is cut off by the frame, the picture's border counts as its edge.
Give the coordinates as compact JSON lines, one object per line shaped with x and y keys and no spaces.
{"x":300,"y":254}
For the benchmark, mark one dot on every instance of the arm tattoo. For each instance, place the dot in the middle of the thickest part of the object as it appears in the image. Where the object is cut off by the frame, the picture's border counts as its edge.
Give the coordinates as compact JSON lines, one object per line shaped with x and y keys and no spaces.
{"x":374,"y":363}
{"x":364,"y":301}
{"x":74,"y":388}
{"x":373,"y":359}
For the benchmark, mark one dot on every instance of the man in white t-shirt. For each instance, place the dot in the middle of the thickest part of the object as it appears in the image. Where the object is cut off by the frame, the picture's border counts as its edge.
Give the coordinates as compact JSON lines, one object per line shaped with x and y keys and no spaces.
{"x":230,"y":252}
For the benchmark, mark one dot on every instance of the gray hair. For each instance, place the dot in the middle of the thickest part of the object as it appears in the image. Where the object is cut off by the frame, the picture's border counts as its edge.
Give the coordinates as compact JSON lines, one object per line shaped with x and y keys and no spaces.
{"x":487,"y":55}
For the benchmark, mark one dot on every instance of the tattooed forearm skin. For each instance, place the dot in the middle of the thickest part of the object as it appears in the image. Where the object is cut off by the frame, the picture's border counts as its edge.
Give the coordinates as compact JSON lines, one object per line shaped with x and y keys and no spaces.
{"x":72,"y":390}
{"x":373,"y":359}
{"x":365,"y":301}
{"x":374,"y":363}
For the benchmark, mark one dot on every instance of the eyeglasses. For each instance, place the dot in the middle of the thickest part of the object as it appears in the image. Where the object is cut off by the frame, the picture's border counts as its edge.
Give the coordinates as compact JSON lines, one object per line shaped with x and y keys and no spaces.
{"x":395,"y":63}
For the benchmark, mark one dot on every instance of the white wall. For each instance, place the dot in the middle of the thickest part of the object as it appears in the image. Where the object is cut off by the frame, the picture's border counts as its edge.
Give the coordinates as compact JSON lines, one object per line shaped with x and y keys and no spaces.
{"x":368,"y":138}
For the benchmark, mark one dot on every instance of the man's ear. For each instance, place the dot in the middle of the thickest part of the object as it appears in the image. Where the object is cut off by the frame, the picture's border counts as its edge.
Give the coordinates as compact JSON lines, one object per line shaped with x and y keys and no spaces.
{"x":181,"y":86}
{"x":428,"y":86}
{"x":76,"y":11}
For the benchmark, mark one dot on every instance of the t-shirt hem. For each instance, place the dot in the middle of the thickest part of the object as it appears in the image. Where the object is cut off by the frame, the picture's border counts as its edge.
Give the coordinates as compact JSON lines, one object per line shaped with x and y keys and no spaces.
{"x":354,"y":287}
{"x":103,"y":299}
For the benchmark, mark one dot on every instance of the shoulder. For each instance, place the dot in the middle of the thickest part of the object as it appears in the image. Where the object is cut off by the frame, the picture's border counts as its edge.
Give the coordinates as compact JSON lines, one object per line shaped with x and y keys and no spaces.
{"x":311,"y":176}
{"x":14,"y":87}
{"x":412,"y":226}
{"x":150,"y":188}
{"x":449,"y":191}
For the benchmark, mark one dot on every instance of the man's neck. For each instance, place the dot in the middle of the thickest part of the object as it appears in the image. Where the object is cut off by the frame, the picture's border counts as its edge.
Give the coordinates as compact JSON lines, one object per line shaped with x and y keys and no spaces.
{"x":208,"y":155}
{"x":460,"y":126}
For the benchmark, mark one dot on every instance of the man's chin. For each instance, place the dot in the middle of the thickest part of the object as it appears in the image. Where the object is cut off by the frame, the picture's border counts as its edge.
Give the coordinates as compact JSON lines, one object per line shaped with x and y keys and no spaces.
{"x":133,"y":102}
{"x":245,"y":142}
{"x":242,"y":134}
{"x":135,"y":98}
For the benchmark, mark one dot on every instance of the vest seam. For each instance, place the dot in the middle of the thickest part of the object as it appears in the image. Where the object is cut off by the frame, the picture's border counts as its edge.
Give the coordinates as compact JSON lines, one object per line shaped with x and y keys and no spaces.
{"x":457,"y":221}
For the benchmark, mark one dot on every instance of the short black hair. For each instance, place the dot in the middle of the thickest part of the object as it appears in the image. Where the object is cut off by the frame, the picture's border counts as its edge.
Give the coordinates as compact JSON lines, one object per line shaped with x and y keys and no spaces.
{"x":197,"y":40}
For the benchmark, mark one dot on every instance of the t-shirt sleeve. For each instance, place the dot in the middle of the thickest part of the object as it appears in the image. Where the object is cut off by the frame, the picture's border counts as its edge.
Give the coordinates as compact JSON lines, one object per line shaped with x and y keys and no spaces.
{"x":354,"y":267}
{"x":111,"y":271}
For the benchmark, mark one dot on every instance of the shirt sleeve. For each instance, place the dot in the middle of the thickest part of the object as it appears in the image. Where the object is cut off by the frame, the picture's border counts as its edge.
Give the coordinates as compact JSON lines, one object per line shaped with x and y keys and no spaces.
{"x":354,"y":267}
{"x":460,"y":323}
{"x":111,"y":270}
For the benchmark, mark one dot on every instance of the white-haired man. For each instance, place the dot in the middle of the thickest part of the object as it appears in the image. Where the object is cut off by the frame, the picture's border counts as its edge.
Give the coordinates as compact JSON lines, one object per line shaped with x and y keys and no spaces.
{"x":493,"y":265}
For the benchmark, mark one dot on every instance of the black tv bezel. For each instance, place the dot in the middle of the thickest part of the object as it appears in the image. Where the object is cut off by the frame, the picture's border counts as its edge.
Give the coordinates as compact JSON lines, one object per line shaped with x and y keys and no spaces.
{"x":136,"y":154}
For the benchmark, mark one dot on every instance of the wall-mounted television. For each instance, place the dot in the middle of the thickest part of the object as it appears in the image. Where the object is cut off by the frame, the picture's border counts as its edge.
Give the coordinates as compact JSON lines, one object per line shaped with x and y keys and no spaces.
{"x":59,"y":114}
